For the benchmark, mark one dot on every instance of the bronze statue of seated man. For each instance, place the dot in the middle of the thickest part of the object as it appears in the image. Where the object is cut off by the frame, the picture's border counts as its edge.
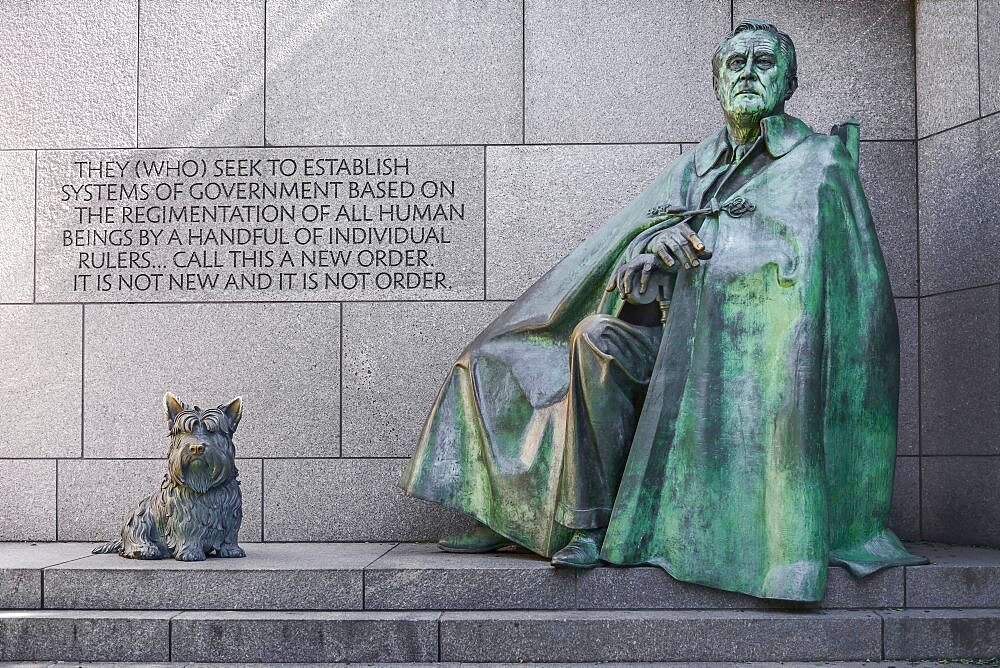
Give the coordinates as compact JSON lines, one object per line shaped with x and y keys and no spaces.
{"x":708,"y":383}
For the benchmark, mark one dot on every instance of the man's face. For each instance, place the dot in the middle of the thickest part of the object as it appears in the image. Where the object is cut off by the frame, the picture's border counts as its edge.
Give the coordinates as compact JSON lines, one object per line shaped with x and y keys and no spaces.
{"x":751,"y":81}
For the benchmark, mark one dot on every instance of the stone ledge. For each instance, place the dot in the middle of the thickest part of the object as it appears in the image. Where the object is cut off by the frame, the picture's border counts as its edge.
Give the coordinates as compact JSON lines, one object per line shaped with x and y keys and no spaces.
{"x":454,"y":664}
{"x":419,"y":576}
{"x":21,"y":567}
{"x":498,"y":636}
{"x":85,"y":635}
{"x":415,"y":576}
{"x":305,"y":636}
{"x":957,"y":577}
{"x":702,"y":635}
{"x":277,"y":576}
{"x":942,"y":634}
{"x":649,"y":588}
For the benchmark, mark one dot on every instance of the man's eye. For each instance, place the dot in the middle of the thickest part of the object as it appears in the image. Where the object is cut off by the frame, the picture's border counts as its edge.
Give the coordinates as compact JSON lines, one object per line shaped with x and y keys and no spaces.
{"x":765,"y":63}
{"x":736,"y":64}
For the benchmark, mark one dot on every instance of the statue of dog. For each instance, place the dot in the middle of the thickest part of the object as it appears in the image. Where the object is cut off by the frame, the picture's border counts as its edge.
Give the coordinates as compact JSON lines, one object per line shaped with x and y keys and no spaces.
{"x":198,"y":508}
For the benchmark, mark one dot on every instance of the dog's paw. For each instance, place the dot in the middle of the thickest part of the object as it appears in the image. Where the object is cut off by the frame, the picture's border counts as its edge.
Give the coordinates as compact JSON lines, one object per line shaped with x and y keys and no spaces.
{"x":190,"y":555}
{"x":231,"y":552}
{"x":145,"y":552}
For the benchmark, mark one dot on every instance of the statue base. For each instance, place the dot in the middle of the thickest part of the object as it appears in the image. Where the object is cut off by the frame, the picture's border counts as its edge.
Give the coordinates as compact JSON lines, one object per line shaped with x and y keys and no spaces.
{"x":386,"y":602}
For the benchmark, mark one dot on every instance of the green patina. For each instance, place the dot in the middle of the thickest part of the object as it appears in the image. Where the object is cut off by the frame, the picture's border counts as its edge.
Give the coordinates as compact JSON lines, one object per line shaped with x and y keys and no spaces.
{"x":765,"y":443}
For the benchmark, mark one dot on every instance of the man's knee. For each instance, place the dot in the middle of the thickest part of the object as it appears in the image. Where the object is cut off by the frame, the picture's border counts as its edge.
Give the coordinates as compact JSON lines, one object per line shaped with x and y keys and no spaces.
{"x":591,"y":329}
{"x":606,"y":337}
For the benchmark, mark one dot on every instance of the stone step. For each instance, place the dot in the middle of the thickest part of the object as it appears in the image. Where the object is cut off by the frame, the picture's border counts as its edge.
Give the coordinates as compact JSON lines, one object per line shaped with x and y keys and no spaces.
{"x":581,"y":636}
{"x":413,"y":576}
{"x":455,"y":664}
{"x":621,"y":635}
{"x":418,"y":576}
{"x":273,"y":576}
{"x":21,"y":567}
{"x":957,"y":577}
{"x":85,"y":635}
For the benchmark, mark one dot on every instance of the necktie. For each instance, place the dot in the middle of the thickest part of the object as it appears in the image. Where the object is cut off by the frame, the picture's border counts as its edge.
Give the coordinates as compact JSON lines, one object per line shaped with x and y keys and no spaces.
{"x":740,"y":151}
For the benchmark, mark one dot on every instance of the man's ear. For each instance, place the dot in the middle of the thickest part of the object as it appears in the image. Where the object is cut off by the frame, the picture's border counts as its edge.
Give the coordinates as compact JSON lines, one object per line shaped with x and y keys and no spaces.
{"x":234,"y":411}
{"x":172,"y":406}
{"x":715,"y":87}
{"x":793,"y":84}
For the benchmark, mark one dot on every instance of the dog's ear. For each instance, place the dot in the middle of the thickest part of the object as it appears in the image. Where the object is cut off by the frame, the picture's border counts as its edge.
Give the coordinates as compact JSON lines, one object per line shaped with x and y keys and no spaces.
{"x":233,"y":411}
{"x":172,"y":406}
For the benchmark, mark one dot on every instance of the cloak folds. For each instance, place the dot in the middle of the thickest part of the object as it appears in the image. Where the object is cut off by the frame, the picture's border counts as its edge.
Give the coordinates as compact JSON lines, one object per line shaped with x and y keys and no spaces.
{"x":766,"y":444}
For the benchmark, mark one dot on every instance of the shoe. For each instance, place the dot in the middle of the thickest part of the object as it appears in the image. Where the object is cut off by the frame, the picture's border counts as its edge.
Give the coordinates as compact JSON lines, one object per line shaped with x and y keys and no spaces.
{"x":582,"y":551}
{"x":480,"y":539}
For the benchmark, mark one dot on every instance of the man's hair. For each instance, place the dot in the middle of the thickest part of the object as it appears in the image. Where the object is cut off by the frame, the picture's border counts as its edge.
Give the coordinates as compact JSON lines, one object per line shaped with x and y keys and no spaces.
{"x":785,"y":45}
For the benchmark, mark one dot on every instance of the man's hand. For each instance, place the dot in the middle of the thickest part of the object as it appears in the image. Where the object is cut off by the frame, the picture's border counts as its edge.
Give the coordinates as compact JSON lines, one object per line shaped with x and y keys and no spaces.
{"x":675,"y":247}
{"x":623,"y":278}
{"x":678,"y":245}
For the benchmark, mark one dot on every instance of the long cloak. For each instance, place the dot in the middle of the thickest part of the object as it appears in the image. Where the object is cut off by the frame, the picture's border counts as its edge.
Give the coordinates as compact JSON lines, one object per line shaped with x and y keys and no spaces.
{"x":766,"y":444}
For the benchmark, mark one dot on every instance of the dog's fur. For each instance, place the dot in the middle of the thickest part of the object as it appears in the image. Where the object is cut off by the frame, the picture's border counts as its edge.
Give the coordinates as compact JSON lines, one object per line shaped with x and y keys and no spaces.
{"x":198,"y":508}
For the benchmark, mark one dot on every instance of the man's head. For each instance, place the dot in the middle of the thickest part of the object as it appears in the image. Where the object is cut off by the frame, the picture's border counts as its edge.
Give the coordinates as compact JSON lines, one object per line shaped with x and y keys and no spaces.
{"x":754,"y":72}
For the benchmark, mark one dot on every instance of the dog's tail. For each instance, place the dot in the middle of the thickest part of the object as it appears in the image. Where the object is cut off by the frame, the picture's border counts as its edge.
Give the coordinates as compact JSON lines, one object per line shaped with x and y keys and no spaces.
{"x":112,"y":546}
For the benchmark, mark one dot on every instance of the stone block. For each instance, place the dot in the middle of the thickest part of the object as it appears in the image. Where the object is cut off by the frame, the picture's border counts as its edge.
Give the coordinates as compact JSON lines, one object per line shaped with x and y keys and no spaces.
{"x":908,"y":434}
{"x":95,"y":495}
{"x":905,"y":516}
{"x":636,"y":71}
{"x":28,"y":489}
{"x":392,"y":373}
{"x":80,"y":635}
{"x":989,"y":56}
{"x":541,"y":201}
{"x":422,"y":577}
{"x":40,"y":358}
{"x":311,"y":576}
{"x":69,"y":69}
{"x":855,"y":59}
{"x":348,"y":499}
{"x":957,"y":577}
{"x":702,"y":635}
{"x":17,"y":225}
{"x":201,"y":73}
{"x":385,"y":72}
{"x":942,"y":634}
{"x":20,"y":588}
{"x":960,"y":498}
{"x":960,"y":373}
{"x":651,"y":588}
{"x":283,"y":359}
{"x":889,"y":176}
{"x":947,"y":62}
{"x":960,"y":240}
{"x":305,"y":636}
{"x":878,"y":590}
{"x":21,"y":567}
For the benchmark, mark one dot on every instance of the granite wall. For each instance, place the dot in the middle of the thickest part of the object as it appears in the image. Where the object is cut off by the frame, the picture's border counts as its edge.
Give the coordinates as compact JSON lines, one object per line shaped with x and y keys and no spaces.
{"x":556,"y":113}
{"x":958,"y":181}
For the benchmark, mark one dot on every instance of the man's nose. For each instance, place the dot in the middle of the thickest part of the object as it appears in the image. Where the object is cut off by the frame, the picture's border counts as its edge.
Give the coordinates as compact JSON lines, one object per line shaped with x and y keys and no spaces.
{"x":748,"y":71}
{"x":196,"y":448}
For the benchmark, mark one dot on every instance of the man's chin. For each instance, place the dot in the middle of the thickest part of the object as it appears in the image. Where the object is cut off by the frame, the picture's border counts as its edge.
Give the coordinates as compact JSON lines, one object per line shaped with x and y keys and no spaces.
{"x":747,"y":117}
{"x":750,"y":113}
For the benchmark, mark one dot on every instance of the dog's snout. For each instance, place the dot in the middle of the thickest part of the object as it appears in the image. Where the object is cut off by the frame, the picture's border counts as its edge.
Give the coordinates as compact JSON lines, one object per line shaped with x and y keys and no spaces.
{"x":196,"y":448}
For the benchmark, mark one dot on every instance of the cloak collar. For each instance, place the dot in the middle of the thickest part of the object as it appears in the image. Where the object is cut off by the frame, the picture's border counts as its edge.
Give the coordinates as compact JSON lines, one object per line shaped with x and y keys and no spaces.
{"x":781,"y":134}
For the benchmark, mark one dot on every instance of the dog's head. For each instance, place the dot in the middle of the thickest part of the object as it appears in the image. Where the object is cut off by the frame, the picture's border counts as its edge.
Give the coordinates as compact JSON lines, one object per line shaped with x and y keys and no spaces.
{"x":202,"y":454}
